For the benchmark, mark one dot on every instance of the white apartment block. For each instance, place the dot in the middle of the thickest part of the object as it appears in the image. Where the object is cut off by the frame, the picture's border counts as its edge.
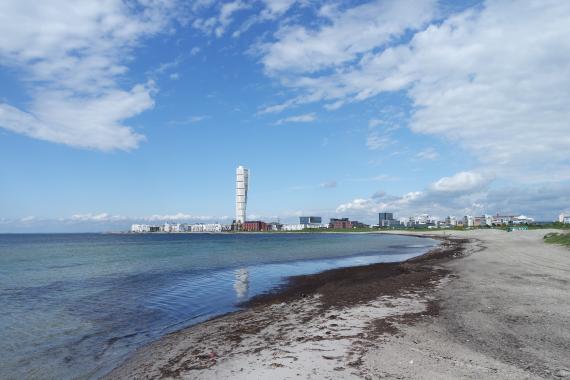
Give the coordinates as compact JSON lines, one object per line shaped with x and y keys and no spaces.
{"x":140,"y":228}
{"x":202,"y":227}
{"x":301,"y":227}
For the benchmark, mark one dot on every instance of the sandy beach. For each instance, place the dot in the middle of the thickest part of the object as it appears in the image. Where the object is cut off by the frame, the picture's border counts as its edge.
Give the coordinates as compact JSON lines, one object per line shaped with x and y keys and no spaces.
{"x":486,"y":304}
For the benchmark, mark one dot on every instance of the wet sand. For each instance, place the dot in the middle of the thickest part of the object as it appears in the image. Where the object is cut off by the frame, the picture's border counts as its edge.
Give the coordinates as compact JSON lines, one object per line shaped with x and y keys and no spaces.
{"x":485,"y":304}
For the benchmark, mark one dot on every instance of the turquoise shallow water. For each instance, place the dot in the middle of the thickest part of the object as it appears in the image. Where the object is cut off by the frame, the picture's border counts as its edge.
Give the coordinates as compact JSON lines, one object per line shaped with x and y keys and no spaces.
{"x":76,"y":305}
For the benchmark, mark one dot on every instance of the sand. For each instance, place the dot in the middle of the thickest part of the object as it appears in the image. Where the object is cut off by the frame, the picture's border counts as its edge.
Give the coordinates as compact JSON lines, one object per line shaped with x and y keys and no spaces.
{"x":494,"y":306}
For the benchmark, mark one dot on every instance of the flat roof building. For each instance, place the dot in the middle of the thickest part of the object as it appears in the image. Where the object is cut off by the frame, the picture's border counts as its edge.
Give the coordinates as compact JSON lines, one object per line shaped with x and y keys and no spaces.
{"x":310,"y":220}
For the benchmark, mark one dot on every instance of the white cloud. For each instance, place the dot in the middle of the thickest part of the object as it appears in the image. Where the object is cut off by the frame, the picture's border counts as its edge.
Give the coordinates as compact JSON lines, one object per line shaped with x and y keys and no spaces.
{"x":494,"y":78}
{"x":93,"y":222}
{"x":372,"y":123}
{"x":328,"y":185}
{"x":376,"y":141}
{"x":217,"y":25}
{"x":465,"y":193}
{"x":272,"y":9}
{"x":428,"y":154}
{"x":70,"y":57}
{"x":446,"y":195}
{"x":461,"y":182}
{"x":306,"y":118}
{"x":344,"y":34}
{"x":276,"y":8}
{"x":106,"y":217}
{"x":190,"y":120}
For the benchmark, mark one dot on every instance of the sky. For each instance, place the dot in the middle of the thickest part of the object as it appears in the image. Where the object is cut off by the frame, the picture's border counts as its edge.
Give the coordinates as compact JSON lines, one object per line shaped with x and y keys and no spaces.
{"x":115,"y":112}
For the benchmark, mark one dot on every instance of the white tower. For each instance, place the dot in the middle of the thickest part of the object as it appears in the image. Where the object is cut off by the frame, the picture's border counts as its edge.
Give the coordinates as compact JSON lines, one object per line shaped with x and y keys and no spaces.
{"x":242,"y":184}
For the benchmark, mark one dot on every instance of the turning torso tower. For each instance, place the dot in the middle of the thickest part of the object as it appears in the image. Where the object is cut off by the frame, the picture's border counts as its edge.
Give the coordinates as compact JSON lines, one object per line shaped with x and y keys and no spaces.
{"x":242,"y":184}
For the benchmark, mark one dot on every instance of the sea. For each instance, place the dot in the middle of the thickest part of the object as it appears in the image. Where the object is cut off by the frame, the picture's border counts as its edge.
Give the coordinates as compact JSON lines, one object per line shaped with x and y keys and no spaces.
{"x":74,"y":306}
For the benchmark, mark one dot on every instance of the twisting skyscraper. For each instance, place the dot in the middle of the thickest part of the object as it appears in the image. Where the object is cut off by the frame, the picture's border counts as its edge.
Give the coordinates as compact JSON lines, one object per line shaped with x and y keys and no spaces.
{"x":242,"y":184}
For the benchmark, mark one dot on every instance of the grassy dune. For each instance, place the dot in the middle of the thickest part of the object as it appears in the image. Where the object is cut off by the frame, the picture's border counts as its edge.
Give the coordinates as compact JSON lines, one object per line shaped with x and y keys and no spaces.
{"x":557,"y":238}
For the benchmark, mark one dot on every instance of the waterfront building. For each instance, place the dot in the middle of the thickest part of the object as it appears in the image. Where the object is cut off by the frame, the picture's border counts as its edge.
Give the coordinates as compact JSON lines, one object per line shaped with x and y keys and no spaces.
{"x":422,"y":221}
{"x":505,"y":220}
{"x":177,"y":227}
{"x":301,"y":226}
{"x":205,"y":227}
{"x":564,"y":218}
{"x":386,"y":219}
{"x":357,"y":224}
{"x":293,"y":227}
{"x":254,"y":226}
{"x":522,"y":219}
{"x":451,"y":221}
{"x":310,"y":220}
{"x":340,"y":224}
{"x":468,"y":221}
{"x":242,"y":185}
{"x":140,"y":228}
{"x":274,"y":226}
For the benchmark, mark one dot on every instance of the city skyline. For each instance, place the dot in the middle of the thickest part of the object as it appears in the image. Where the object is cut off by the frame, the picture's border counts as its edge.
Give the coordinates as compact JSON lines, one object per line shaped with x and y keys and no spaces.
{"x":113,"y":113}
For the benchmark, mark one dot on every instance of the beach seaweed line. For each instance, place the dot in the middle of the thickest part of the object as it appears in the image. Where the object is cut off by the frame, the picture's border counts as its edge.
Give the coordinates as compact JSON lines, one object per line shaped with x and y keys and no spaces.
{"x":309,"y":298}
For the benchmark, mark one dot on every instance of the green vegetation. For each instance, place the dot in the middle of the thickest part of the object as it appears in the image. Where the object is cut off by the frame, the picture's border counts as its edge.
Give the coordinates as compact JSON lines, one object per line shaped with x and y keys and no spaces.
{"x":557,"y":238}
{"x":556,"y":225}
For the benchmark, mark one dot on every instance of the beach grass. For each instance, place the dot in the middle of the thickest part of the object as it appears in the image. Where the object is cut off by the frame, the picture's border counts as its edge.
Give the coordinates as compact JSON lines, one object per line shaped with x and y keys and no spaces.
{"x":558,"y":238}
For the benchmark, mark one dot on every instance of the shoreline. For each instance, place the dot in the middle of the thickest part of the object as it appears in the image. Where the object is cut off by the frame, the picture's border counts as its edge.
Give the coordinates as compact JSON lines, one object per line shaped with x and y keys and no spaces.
{"x":415,"y":275}
{"x":501,"y":311}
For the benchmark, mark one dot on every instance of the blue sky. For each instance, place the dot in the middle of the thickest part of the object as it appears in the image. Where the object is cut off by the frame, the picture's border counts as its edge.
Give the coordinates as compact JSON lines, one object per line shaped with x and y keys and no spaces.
{"x":113,"y":112}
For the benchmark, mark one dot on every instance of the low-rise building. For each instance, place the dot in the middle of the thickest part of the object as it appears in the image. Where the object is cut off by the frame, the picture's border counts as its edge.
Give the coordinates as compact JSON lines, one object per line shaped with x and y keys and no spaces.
{"x":522,"y":219}
{"x":340,"y":224}
{"x":205,"y":227}
{"x":502,"y":220}
{"x":357,"y":224}
{"x":451,"y":221}
{"x":140,"y":228}
{"x":254,"y":226}
{"x":293,"y":227}
{"x":310,"y":220}
{"x":274,"y":226}
{"x":564,"y":218}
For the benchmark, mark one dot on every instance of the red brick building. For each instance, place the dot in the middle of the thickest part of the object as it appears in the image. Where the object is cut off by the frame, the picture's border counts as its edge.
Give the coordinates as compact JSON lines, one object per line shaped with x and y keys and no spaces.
{"x":254,"y":226}
{"x":340,"y":224}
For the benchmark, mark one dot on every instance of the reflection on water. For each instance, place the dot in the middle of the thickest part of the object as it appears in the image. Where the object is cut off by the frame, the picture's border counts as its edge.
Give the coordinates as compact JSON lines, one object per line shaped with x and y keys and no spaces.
{"x":241,"y":284}
{"x":74,"y":306}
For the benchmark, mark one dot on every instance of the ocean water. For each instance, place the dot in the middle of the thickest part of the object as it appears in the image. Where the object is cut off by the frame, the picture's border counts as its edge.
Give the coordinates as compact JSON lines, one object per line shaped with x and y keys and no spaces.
{"x":76,"y":305}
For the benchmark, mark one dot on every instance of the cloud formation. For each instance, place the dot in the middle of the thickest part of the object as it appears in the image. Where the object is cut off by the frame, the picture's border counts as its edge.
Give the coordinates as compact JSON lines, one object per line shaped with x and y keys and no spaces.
{"x":344,"y":34}
{"x":329,"y":185}
{"x":70,"y":57}
{"x":494,"y":78}
{"x":93,"y":222}
{"x":305,"y":118}
{"x":465,"y":193}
